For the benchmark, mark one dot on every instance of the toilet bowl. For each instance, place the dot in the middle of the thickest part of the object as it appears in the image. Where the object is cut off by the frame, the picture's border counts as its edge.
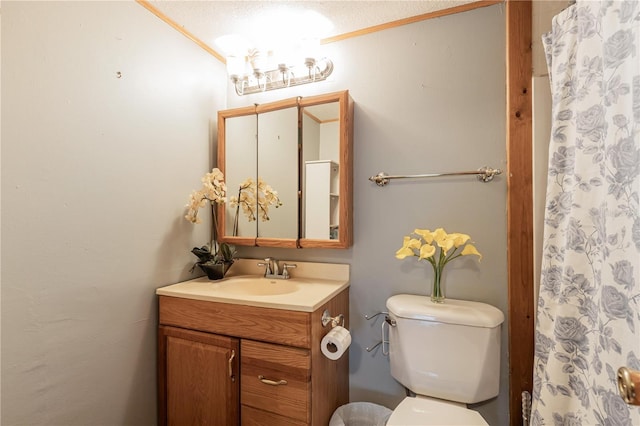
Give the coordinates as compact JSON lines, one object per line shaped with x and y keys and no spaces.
{"x":424,"y":411}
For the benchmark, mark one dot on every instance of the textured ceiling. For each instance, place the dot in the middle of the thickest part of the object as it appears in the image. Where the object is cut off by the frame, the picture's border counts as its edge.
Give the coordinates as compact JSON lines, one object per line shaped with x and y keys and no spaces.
{"x":208,"y":20}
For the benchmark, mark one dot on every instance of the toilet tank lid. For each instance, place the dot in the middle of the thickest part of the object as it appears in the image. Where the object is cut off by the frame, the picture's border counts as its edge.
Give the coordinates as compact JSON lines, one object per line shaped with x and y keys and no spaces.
{"x":452,"y":311}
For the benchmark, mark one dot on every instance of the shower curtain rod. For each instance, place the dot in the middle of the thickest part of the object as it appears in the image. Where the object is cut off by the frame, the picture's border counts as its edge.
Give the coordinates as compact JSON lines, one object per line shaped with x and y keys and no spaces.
{"x":485,"y":174}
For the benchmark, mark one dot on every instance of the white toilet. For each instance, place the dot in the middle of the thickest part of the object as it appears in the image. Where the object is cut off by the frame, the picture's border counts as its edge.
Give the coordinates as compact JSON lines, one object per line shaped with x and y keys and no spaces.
{"x":448,"y":354}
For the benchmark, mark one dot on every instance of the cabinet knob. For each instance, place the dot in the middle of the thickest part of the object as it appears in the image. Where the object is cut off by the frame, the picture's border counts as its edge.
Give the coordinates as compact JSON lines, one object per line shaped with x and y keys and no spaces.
{"x":271,"y":382}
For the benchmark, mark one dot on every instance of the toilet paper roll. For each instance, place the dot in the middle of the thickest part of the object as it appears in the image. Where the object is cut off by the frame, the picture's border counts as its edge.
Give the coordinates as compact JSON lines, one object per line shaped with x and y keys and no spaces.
{"x":336,"y":342}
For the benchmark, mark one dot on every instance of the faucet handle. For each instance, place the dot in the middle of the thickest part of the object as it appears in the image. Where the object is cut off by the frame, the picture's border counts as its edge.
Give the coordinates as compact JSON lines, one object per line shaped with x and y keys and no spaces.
{"x":286,"y":267}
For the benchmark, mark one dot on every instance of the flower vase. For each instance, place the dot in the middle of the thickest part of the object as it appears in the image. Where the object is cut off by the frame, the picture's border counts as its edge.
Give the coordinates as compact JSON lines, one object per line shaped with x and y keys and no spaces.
{"x":215,"y":271}
{"x":437,"y":291}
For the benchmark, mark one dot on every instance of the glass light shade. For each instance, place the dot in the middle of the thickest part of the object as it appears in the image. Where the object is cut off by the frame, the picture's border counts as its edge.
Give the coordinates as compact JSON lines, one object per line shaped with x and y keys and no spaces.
{"x":260,"y":60}
{"x":286,"y":54}
{"x":236,"y":66}
{"x":310,"y":47}
{"x":233,"y":44}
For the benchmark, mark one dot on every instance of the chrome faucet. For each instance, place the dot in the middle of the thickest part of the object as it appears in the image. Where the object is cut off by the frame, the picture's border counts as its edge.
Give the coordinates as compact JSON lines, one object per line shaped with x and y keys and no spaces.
{"x":275,"y":270}
{"x":267,"y":266}
{"x":272,"y":270}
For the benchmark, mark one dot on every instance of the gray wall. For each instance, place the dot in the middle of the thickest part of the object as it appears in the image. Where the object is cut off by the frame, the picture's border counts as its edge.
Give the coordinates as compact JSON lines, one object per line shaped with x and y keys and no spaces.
{"x":96,"y":172}
{"x":429,"y":97}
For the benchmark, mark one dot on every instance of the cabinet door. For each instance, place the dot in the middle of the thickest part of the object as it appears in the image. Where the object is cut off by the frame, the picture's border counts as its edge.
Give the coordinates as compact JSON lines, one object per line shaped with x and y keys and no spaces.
{"x":198,"y":378}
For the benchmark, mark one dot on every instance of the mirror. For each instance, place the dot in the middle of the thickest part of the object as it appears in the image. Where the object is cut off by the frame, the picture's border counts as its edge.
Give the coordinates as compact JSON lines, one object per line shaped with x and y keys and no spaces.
{"x":320,"y":171}
{"x":288,"y":169}
{"x":241,"y":126}
{"x":278,"y":168}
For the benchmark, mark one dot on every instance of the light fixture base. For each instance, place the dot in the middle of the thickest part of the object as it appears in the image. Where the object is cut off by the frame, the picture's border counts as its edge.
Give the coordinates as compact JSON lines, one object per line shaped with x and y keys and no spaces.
{"x":318,"y":70}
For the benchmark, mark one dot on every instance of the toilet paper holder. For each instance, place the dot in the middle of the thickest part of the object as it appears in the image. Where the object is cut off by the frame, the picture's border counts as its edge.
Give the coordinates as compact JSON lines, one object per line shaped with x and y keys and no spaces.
{"x":327,"y":318}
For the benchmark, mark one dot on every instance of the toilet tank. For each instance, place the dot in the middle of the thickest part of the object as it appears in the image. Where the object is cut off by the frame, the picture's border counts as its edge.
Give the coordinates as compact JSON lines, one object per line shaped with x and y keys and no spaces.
{"x":447,"y":350}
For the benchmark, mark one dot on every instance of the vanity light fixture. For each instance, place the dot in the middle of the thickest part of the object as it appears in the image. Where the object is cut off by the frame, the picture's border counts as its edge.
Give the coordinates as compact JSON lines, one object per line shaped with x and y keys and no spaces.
{"x":276,"y":49}
{"x":252,"y":74}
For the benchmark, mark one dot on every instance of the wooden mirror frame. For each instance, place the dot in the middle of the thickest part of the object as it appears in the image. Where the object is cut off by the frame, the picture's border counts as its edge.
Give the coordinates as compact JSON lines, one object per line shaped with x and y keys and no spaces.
{"x":345,"y":230}
{"x":222,"y":116}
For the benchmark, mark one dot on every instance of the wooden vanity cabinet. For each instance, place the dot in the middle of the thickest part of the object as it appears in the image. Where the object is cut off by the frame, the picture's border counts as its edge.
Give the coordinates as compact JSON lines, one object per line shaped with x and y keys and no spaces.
{"x":228,"y":364}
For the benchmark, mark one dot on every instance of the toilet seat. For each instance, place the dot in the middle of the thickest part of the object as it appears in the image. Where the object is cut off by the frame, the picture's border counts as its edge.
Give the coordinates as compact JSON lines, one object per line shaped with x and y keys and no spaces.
{"x":423,"y":411}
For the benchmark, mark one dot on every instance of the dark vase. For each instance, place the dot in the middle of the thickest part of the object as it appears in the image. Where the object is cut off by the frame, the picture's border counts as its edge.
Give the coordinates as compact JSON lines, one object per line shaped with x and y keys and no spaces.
{"x":215,"y":271}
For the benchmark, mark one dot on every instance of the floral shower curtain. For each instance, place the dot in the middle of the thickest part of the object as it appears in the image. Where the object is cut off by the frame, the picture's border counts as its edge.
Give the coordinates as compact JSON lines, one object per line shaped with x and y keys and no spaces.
{"x":588,"y":321}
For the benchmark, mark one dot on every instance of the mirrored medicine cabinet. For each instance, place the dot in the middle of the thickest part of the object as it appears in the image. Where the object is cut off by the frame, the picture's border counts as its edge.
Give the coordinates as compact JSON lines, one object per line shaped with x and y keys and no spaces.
{"x":288,"y":169}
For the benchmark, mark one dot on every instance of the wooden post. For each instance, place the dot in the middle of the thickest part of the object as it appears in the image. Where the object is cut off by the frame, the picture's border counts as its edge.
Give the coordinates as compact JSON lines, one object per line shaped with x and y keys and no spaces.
{"x":519,"y":203}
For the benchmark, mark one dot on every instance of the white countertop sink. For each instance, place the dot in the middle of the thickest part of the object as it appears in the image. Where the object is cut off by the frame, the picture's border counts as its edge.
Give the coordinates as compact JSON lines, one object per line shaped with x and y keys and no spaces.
{"x":310,"y":286}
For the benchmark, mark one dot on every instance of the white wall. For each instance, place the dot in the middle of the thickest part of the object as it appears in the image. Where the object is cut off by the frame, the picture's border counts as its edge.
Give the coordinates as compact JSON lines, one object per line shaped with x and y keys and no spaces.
{"x":330,"y":141}
{"x":96,"y":171}
{"x":429,"y":97}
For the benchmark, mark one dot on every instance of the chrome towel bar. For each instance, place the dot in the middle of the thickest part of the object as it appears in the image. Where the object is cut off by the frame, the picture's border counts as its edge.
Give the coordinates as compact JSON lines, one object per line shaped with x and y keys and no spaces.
{"x":485,"y":174}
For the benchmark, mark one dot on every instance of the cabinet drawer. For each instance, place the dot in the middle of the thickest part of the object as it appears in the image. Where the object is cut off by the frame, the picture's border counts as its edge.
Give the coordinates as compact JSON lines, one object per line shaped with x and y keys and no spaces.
{"x":276,"y":379}
{"x":254,"y":417}
{"x":249,"y":322}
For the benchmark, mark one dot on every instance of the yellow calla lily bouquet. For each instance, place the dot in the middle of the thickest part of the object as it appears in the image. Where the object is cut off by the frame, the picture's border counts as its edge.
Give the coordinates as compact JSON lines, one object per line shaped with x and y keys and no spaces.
{"x":438,"y":248}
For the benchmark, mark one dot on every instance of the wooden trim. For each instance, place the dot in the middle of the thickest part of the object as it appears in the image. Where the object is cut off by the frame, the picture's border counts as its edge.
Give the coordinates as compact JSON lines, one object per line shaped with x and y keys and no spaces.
{"x":237,"y":112}
{"x":311,"y":116}
{"x":318,"y":120}
{"x":329,"y":379}
{"x":519,"y":204}
{"x":345,"y":233}
{"x":323,"y":98}
{"x":345,"y":230}
{"x":276,"y":105}
{"x":276,"y":242}
{"x":181,"y":30}
{"x":410,"y":20}
{"x":328,"y":244}
{"x":161,"y":368}
{"x":238,"y":241}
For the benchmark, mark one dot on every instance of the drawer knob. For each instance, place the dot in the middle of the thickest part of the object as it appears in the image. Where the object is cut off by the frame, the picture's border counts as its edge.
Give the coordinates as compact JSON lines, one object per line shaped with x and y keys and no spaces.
{"x":271,"y":382}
